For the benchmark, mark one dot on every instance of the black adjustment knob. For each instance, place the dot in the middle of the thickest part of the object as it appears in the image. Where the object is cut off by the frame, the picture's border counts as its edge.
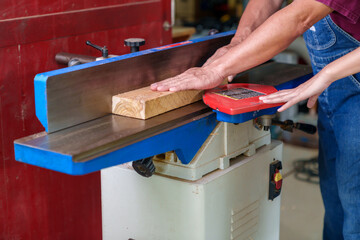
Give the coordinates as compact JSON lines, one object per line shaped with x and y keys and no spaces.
{"x":134,"y":43}
{"x":145,"y":167}
{"x":104,"y":51}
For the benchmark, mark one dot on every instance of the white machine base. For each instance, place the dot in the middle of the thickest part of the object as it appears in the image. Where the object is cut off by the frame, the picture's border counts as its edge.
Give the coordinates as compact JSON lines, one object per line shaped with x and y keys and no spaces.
{"x":225,"y":204}
{"x":227,"y":141}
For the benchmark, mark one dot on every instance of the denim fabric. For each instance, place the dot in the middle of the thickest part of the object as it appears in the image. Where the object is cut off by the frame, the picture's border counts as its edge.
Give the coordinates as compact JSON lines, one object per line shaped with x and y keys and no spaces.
{"x":339,"y":131}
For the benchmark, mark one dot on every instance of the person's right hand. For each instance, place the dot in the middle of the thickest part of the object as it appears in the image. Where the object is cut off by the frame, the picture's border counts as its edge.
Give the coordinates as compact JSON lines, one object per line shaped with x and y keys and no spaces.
{"x":194,"y":78}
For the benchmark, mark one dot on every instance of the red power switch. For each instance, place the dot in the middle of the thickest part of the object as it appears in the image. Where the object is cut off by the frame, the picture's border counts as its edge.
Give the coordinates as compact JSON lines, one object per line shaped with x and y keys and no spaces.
{"x":278,"y":179}
{"x":275,"y":179}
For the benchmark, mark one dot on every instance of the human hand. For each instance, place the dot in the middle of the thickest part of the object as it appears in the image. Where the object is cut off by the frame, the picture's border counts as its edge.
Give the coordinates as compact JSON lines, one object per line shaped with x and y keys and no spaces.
{"x":222,"y":51}
{"x":311,"y":90}
{"x":194,"y":78}
{"x":219,"y":53}
{"x":205,"y":77}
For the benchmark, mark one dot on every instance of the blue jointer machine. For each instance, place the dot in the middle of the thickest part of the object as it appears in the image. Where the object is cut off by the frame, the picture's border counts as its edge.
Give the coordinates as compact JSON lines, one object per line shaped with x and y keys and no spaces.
{"x":192,"y":143}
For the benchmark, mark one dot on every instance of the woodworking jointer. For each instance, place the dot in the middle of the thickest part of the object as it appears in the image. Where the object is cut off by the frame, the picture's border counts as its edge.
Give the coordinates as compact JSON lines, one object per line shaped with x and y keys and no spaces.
{"x":214,"y":178}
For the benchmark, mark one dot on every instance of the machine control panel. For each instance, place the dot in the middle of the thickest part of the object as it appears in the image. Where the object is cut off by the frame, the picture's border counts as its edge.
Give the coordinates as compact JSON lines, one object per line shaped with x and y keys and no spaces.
{"x":234,"y":99}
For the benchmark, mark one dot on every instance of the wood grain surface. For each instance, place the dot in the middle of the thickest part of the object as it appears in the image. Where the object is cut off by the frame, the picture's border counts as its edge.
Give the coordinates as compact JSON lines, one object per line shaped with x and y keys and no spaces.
{"x":144,"y":103}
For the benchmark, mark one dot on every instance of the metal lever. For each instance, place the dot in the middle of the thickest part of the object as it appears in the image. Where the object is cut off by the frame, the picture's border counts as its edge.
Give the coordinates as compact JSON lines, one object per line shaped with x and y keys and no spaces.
{"x":289,"y":125}
{"x":264,"y":122}
{"x":104,"y":50}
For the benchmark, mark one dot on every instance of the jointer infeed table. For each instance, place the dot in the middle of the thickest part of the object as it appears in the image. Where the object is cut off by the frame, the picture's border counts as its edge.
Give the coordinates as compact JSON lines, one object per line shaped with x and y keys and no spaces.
{"x":196,"y":192}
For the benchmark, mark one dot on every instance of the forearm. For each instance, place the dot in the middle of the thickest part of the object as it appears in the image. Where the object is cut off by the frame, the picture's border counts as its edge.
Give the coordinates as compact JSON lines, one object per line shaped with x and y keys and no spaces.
{"x":256,"y":12}
{"x":343,"y":67}
{"x":273,"y":36}
{"x":311,"y":89}
{"x":253,"y":17}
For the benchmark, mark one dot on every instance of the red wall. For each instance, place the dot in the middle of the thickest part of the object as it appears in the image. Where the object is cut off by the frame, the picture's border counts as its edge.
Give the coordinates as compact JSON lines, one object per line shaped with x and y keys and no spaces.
{"x":37,"y":203}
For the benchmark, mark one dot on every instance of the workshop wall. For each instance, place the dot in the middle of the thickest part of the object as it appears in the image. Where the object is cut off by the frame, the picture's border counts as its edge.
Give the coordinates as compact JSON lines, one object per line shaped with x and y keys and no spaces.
{"x":36,"y":203}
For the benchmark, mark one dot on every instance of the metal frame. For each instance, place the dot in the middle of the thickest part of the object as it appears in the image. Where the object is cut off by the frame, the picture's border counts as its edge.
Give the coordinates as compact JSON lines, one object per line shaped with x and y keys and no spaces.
{"x":73,"y":95}
{"x":185,"y":140}
{"x":85,"y":139}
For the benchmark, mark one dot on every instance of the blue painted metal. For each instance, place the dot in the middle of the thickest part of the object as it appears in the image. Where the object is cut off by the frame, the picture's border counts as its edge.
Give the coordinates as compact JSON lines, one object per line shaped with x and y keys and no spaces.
{"x":240,"y":118}
{"x":41,"y":100}
{"x":41,"y":78}
{"x":185,"y":140}
{"x":244,"y":117}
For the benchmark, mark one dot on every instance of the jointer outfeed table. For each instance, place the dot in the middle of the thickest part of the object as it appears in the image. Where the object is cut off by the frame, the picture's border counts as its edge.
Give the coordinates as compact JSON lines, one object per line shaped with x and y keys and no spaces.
{"x":82,"y":136}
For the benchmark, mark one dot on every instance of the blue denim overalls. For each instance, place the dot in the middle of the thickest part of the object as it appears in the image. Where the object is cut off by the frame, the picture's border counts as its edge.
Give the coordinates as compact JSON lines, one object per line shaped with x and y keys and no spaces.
{"x":339,"y":131}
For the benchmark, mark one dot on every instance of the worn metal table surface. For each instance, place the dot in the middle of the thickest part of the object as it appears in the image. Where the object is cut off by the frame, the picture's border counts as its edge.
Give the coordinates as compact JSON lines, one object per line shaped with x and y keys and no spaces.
{"x":106,"y":134}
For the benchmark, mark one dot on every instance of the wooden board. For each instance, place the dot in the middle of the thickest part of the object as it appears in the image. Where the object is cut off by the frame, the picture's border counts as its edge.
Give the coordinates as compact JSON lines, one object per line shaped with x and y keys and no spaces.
{"x":144,"y":103}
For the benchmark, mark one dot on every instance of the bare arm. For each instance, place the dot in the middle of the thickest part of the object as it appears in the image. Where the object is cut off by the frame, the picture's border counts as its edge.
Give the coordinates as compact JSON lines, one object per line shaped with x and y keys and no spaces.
{"x":343,"y":67}
{"x":311,"y":89}
{"x":273,"y":36}
{"x":252,"y":18}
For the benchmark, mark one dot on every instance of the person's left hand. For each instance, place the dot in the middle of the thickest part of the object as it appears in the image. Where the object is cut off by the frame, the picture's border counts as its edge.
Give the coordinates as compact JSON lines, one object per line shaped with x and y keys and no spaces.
{"x":311,"y":90}
{"x":194,"y":78}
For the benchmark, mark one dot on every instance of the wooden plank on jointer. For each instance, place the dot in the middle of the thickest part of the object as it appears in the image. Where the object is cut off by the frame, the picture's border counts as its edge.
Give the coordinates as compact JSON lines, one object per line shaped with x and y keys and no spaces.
{"x":144,"y":103}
